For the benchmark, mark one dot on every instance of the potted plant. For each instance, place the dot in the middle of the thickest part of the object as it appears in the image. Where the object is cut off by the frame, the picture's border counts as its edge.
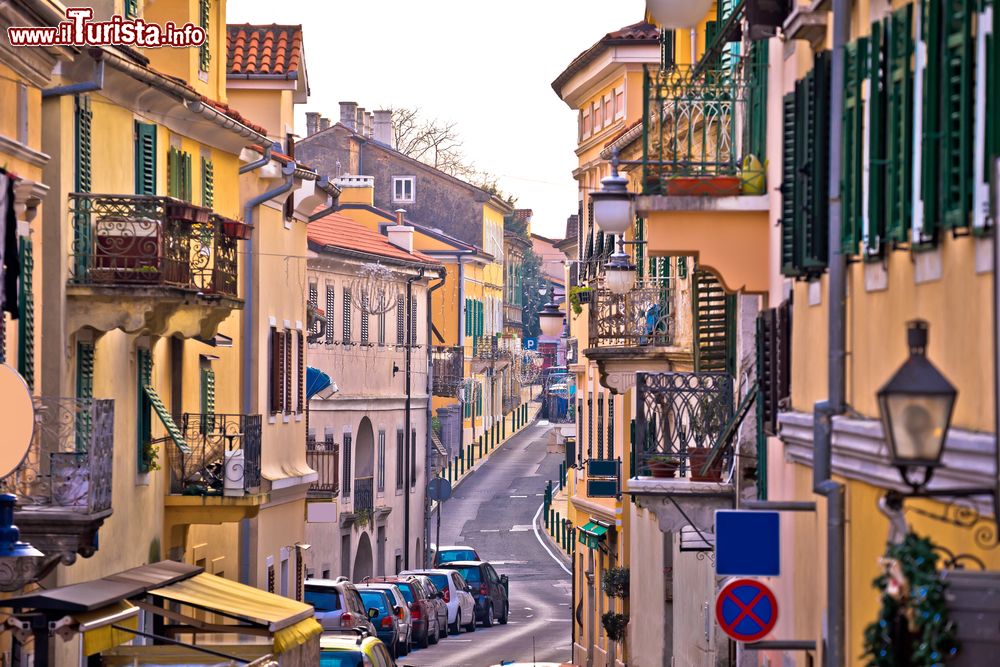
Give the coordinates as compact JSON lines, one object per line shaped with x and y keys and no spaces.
{"x":579,"y":296}
{"x":697,"y":457}
{"x":236,"y":229}
{"x":181,"y":210}
{"x":702,"y":186}
{"x":614,"y":625}
{"x":615,"y":582}
{"x":663,"y":465}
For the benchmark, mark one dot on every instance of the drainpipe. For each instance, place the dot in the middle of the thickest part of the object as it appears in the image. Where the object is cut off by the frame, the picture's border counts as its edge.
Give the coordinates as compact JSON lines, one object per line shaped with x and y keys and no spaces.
{"x":96,"y":83}
{"x":407,"y":419}
{"x":257,"y":164}
{"x":824,"y":411}
{"x":430,"y":412}
{"x":460,"y":342}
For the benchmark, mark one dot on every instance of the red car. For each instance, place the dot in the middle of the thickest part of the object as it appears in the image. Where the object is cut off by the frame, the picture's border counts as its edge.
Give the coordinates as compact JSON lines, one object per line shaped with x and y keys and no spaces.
{"x":426,"y":630}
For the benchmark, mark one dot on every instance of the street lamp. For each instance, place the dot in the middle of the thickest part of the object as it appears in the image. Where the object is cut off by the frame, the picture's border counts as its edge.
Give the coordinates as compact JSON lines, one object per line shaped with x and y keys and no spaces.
{"x":619,"y":273}
{"x":550,"y":319}
{"x":613,"y":203}
{"x":916,"y":405}
{"x":678,"y":13}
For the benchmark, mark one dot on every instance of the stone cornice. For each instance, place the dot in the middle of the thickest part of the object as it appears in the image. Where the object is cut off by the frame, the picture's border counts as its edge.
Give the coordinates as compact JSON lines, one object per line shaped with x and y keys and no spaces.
{"x":23,"y":151}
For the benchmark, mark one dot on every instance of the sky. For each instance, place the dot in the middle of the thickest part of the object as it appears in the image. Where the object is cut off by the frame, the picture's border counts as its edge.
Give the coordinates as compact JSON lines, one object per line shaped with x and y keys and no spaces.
{"x":487,"y":66}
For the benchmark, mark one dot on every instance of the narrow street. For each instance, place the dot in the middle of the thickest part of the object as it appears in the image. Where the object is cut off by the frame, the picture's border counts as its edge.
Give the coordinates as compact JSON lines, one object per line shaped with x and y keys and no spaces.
{"x":493,"y":511}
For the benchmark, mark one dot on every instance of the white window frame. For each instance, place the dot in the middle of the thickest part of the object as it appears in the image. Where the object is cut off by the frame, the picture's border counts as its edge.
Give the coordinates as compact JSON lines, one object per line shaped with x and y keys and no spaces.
{"x":619,"y":108}
{"x":412,"y":180}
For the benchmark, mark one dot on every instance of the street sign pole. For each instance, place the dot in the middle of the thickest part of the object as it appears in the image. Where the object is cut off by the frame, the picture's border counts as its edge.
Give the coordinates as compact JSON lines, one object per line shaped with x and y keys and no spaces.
{"x":437,"y":540}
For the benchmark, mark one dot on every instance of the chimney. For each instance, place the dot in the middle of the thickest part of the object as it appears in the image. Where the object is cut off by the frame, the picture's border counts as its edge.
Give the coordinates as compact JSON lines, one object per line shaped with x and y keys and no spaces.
{"x":359,"y":120}
{"x":382,"y":127}
{"x":369,"y":124}
{"x":312,"y":123}
{"x":400,"y":235}
{"x":348,"y":114}
{"x":324,"y":123}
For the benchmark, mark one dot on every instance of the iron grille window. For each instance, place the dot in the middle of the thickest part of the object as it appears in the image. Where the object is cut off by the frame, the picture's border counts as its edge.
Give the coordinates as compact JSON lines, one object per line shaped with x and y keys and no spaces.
{"x":400,"y":320}
{"x":381,"y":461}
{"x":348,"y":470}
{"x":399,"y":458}
{"x":347,"y":316}
{"x":314,"y":304}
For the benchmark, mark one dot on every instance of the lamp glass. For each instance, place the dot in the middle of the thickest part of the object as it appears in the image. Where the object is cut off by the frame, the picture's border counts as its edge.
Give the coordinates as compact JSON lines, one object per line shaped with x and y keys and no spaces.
{"x":678,"y":13}
{"x":613,"y":211}
{"x":550,"y":321}
{"x":619,"y":278}
{"x":915,"y":426}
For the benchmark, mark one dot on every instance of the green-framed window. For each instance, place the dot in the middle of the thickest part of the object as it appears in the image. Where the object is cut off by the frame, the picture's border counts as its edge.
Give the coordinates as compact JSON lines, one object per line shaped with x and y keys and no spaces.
{"x":131,"y":9}
{"x":145,"y":158}
{"x":144,"y":409}
{"x":179,"y":173}
{"x":26,"y":320}
{"x":205,"y":50}
{"x":207,"y":183}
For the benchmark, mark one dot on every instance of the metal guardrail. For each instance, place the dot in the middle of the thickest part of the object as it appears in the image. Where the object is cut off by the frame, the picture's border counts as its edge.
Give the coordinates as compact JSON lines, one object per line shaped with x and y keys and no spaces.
{"x":681,"y":416}
{"x":141,"y":240}
{"x":449,"y":369}
{"x":69,"y":462}
{"x":640,"y":318}
{"x":324,"y":458}
{"x":221,"y":448}
{"x":364,"y":497}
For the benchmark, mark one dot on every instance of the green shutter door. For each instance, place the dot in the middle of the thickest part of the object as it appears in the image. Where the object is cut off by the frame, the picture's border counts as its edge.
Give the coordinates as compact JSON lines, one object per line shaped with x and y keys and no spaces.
{"x":711,"y":323}
{"x":26,"y":321}
{"x":855,"y":61}
{"x":84,"y":120}
{"x":877,"y":140}
{"x":817,"y":165}
{"x":958,"y":115}
{"x":207,"y":183}
{"x":145,"y":159}
{"x":789,"y":265}
{"x":899,"y":94}
{"x":207,"y":391}
{"x":144,"y":410}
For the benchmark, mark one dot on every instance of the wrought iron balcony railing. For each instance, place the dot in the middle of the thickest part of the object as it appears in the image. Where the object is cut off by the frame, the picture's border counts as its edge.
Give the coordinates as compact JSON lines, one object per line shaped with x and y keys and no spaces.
{"x":449,"y":369}
{"x":324,"y":458}
{"x":640,"y":318}
{"x":681,"y":416}
{"x":222,"y":455}
{"x":69,"y":462}
{"x":492,"y":348}
{"x":147,"y":241}
{"x":363,"y":494}
{"x":700,"y":123}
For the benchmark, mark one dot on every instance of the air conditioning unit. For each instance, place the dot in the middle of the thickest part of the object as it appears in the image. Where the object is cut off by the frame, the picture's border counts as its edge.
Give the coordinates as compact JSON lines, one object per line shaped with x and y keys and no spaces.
{"x":235,"y":472}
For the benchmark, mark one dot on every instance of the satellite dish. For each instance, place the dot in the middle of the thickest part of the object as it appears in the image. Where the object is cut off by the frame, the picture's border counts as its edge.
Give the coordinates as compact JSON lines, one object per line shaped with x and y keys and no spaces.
{"x":17,"y":414}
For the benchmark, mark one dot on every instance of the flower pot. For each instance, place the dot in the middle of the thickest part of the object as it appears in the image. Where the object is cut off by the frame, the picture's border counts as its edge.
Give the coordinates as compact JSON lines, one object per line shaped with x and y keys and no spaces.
{"x":663,"y":469}
{"x":187,"y":213}
{"x":237,"y":230}
{"x":702,"y":186}
{"x":697,"y":458}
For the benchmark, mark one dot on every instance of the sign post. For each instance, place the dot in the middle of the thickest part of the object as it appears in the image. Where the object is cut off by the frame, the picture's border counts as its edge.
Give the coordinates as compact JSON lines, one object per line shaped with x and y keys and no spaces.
{"x":746,"y":610}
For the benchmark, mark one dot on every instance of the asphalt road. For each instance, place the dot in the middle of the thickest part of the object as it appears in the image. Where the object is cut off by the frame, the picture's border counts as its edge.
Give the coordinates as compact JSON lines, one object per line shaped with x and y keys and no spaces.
{"x":493,"y":511}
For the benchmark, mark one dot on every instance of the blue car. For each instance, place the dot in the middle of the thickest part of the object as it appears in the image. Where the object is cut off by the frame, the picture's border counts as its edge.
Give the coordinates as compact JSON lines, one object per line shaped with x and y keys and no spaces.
{"x":383,"y":615}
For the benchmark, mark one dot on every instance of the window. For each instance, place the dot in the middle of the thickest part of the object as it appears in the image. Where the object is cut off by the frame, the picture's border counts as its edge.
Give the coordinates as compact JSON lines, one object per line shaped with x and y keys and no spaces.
{"x":364,"y":319}
{"x":144,"y":409}
{"x":347,"y":316}
{"x":331,"y":301}
{"x":300,"y":378}
{"x":348,"y":470}
{"x":26,"y":321}
{"x":402,"y":189}
{"x":179,"y":174}
{"x":207,"y":389}
{"x":314,"y":305}
{"x":400,"y":320}
{"x":207,"y":183}
{"x":619,"y":102}
{"x":381,"y":328}
{"x":608,"y":110}
{"x":83,"y":120}
{"x":585,"y":124}
{"x":277,"y":373}
{"x":131,"y":9}
{"x":413,"y":458}
{"x":598,"y":118}
{"x":145,"y":159}
{"x":399,"y":458}
{"x":204,"y":51}
{"x":380,"y":480}
{"x":287,"y":372}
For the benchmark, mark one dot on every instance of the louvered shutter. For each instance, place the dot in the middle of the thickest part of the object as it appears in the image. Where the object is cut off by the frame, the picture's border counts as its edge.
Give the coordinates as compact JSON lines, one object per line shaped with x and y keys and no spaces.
{"x":347,"y":317}
{"x":300,"y":377}
{"x":855,"y":62}
{"x":993,"y":95}
{"x":401,"y":319}
{"x":958,"y":114}
{"x":877,"y":139}
{"x":789,"y":261}
{"x":145,"y":159}
{"x":600,"y":426}
{"x":331,"y":302}
{"x":173,"y":172}
{"x":286,"y":371}
{"x":899,"y":140}
{"x":207,"y":183}
{"x":816,"y":165}
{"x":207,"y":391}
{"x":277,"y":382}
{"x":314,"y":305}
{"x":413,"y":322}
{"x":364,"y":319}
{"x":83,"y":122}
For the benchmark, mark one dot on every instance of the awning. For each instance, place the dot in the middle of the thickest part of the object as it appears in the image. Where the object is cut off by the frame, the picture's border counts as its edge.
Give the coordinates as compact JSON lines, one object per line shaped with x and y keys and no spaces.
{"x":591,"y":534}
{"x":291,"y":622}
{"x":316,"y":381}
{"x":96,"y":626}
{"x":168,"y":421}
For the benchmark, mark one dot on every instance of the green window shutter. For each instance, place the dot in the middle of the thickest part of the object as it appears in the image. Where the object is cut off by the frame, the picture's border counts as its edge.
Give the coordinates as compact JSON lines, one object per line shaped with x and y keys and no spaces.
{"x":757,"y":112}
{"x":187,"y":189}
{"x":204,"y":51}
{"x":898,"y":184}
{"x":26,"y":320}
{"x":958,"y":114}
{"x":207,"y":391}
{"x":813,"y":165}
{"x":84,"y":390}
{"x":207,"y":183}
{"x":993,"y":94}
{"x":144,"y":409}
{"x":131,"y":9}
{"x":789,"y":262}
{"x":173,"y":172}
{"x":145,"y":158}
{"x":877,"y":139}
{"x":855,"y":62}
{"x":931,"y":148}
{"x":83,"y":122}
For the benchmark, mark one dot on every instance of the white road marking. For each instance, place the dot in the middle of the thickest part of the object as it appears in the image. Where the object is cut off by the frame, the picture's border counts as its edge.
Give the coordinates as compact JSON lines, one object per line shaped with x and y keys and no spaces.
{"x":539,"y":495}
{"x":559,"y":620}
{"x":519,"y":496}
{"x":523,"y":528}
{"x":490,"y":530}
{"x":534,"y":527}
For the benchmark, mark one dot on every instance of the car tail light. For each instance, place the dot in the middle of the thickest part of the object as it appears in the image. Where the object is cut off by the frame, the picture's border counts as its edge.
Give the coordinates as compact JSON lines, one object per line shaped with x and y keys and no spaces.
{"x":346,"y":620}
{"x":484,"y":589}
{"x":447,"y":595}
{"x":387,"y":621}
{"x":401,"y":613}
{"x":415,"y":611}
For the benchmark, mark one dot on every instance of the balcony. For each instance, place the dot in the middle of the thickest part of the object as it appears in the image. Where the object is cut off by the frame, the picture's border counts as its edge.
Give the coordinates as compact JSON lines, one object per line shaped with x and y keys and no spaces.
{"x":151,"y":264}
{"x":217,"y":455}
{"x":63,"y":486}
{"x":703,"y":183}
{"x":449,"y":370}
{"x":364,"y":495}
{"x":491,"y":353}
{"x":634,"y":332}
{"x":324,"y":458}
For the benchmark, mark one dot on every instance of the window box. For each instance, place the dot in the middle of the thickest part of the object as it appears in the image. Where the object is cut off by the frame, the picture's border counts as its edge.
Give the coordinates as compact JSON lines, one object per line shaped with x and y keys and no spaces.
{"x":714,"y":186}
{"x":187,"y":213}
{"x":236,"y":229}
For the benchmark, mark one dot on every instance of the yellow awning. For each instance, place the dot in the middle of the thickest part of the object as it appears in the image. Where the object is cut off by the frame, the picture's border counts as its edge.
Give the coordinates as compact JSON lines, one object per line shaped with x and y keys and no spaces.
{"x":213,"y":593}
{"x":296,"y":635}
{"x":95,"y":626}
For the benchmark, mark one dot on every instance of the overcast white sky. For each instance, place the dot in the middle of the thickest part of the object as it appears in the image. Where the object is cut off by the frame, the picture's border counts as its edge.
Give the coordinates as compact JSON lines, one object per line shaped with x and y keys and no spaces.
{"x":487,"y":65}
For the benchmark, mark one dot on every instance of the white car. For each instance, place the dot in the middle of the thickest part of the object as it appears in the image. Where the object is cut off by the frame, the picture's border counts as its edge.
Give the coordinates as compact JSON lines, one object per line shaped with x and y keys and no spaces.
{"x":461,"y":604}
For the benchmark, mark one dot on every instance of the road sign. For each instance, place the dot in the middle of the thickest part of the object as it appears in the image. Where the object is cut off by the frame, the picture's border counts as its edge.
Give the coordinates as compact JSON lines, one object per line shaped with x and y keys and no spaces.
{"x":746,"y":610}
{"x":747,"y":543}
{"x":602,"y":488}
{"x":439,"y":489}
{"x":531,"y":343}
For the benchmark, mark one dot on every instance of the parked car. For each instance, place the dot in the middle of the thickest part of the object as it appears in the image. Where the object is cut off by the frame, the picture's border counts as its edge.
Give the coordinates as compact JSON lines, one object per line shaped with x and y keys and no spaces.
{"x":337,"y":604}
{"x":449,"y":554}
{"x":382,"y":614}
{"x":461,"y":604}
{"x":424,"y":617}
{"x":403,"y":618}
{"x":347,"y":650}
{"x":488,"y":588}
{"x":436,"y":596}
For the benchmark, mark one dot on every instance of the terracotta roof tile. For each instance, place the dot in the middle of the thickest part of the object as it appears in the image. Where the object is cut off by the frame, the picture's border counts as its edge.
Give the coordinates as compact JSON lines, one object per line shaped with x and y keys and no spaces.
{"x":637,"y":33}
{"x":340,"y":231}
{"x":235,"y":115}
{"x":274,"y":50}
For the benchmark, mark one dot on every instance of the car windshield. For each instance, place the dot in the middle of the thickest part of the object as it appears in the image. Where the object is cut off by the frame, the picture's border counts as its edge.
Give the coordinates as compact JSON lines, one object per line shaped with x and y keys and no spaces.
{"x":470,"y":574}
{"x":375,"y":599}
{"x":323,"y":599}
{"x":406,"y":590}
{"x":340,"y":659}
{"x":440,"y":581}
{"x":450,"y":555}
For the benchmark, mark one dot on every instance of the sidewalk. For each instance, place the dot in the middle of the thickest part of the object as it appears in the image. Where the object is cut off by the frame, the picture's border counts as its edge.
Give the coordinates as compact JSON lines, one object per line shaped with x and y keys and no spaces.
{"x":554,"y":523}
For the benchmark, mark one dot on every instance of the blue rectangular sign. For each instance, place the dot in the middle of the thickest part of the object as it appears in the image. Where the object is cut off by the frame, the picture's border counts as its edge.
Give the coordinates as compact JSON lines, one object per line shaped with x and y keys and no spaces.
{"x":747,"y":543}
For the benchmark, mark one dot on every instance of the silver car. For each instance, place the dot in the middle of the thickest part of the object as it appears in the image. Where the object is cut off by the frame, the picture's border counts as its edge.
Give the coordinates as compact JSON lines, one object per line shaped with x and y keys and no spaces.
{"x":436,"y":598}
{"x":461,"y":605}
{"x":337,"y":604}
{"x":403,"y":616}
